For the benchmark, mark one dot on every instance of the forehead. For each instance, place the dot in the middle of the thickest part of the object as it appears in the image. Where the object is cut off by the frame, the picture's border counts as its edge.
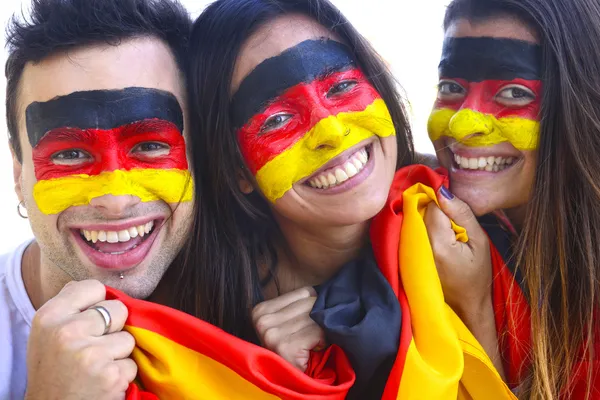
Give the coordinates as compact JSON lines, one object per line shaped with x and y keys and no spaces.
{"x":274,"y":37}
{"x":143,"y":62}
{"x":507,"y":27}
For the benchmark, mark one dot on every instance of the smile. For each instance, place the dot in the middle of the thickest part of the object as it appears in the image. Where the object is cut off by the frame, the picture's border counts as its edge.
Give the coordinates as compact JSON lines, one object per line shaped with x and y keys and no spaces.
{"x":336,"y":176}
{"x":117,"y":247}
{"x":489,"y":163}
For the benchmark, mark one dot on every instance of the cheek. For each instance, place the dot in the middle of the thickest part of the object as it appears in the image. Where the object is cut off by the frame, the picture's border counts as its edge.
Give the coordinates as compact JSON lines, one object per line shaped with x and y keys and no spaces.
{"x":438,"y":123}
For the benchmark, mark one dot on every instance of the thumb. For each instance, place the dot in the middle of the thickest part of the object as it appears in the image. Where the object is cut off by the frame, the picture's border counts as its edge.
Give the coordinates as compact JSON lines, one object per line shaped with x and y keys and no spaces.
{"x":458,"y":211}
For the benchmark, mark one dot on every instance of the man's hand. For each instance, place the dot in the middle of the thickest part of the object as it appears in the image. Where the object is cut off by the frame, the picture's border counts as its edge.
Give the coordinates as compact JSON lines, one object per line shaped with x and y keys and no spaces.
{"x":69,"y":358}
{"x":284,"y":326}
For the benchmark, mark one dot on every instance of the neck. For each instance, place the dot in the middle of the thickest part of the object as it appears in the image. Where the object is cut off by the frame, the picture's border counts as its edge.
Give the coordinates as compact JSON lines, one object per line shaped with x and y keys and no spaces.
{"x":311,"y":256}
{"x":42,"y":279}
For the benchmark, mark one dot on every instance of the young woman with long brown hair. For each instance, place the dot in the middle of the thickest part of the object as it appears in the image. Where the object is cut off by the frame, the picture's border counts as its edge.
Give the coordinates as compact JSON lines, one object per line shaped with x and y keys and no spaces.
{"x":517,"y":124}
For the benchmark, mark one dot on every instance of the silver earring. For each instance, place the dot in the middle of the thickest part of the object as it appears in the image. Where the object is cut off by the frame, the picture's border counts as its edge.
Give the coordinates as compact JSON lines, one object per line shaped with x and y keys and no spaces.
{"x":20,"y":208}
{"x":121,"y":275}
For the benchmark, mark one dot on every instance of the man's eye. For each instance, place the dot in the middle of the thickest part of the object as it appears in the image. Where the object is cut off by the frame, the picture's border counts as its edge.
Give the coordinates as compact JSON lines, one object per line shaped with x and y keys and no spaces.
{"x":341,"y":87}
{"x":152,"y":149}
{"x":275,"y":122}
{"x":450,"y":90}
{"x":70,"y":157}
{"x":515,"y":96}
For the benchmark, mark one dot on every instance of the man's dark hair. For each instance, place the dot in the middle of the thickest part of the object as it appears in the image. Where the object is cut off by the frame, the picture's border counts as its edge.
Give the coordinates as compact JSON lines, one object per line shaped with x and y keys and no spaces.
{"x":59,"y":25}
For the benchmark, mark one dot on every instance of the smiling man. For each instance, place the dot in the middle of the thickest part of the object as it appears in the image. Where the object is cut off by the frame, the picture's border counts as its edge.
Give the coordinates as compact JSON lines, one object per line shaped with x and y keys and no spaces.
{"x":95,"y":110}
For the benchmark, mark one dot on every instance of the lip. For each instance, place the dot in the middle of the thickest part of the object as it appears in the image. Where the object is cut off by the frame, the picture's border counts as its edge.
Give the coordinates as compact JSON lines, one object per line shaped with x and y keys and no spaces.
{"x":498,"y":150}
{"x":356,"y":179}
{"x":339,"y":160}
{"x":472,"y":174}
{"x":118,"y":225}
{"x":118,"y":262}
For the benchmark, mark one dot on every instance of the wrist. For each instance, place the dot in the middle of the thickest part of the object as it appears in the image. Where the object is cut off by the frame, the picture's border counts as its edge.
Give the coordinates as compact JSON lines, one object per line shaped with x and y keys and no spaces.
{"x":477,"y":315}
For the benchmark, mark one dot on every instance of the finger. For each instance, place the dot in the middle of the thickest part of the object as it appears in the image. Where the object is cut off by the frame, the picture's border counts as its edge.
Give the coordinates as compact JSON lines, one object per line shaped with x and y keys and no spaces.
{"x":278,"y":303}
{"x":439,"y":229}
{"x":118,"y":345}
{"x":300,"y":308}
{"x":297,"y":350}
{"x":128,"y":369}
{"x":296,"y":323}
{"x":458,"y":211}
{"x":77,"y":296}
{"x":92,"y":322}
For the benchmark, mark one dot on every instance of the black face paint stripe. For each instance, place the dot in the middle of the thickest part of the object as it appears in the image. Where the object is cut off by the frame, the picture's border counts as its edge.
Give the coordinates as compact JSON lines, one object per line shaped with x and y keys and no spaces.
{"x":299,"y":64}
{"x":101,"y":109}
{"x":485,"y":58}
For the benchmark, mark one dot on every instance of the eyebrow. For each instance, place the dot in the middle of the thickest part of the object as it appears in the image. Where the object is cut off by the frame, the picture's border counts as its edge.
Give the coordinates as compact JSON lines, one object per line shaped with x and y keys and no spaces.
{"x":303,"y":63}
{"x":476,"y":59}
{"x":101,"y":109}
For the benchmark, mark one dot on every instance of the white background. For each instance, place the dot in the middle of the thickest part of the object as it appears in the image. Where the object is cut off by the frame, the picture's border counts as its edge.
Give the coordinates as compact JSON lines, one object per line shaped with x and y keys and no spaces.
{"x":407,"y":33}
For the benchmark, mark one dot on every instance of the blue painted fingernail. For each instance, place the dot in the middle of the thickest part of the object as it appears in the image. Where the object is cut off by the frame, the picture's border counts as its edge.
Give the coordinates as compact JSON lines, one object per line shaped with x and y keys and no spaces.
{"x":446,"y":193}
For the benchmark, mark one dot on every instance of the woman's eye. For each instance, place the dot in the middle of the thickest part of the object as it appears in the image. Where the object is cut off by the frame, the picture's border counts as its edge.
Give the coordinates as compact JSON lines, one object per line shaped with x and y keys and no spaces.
{"x":70,"y":157}
{"x":275,"y":122}
{"x":152,"y":149}
{"x":341,"y":87}
{"x":450,"y":90}
{"x":516,"y":96}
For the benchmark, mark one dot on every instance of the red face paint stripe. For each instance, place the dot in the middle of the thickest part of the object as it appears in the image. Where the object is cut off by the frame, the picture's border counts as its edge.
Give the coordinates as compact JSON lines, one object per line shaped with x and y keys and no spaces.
{"x":111,"y":149}
{"x":306,"y":104}
{"x":481,"y":97}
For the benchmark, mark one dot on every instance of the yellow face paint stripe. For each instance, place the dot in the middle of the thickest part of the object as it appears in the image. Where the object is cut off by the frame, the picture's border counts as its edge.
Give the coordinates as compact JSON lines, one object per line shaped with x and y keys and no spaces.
{"x":184,"y":373}
{"x":337,"y":133}
{"x":522,"y":133}
{"x":170,"y":185}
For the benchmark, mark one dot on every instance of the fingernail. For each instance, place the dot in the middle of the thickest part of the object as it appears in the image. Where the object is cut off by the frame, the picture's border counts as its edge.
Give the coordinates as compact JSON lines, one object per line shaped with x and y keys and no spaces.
{"x":446,"y":193}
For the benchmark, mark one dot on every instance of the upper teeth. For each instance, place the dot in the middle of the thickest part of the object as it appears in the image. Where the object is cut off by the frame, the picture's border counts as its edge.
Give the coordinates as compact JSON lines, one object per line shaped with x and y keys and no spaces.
{"x":118,"y":236}
{"x":336,"y":176}
{"x":490,"y":164}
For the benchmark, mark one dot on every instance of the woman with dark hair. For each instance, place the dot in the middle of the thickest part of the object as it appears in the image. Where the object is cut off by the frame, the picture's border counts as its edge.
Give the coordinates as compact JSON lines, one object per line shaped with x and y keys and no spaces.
{"x":300,"y":132}
{"x":517,"y":124}
{"x":284,"y":226}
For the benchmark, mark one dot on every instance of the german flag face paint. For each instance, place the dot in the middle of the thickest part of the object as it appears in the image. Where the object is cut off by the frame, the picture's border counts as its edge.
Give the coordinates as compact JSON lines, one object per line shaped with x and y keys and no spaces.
{"x":300,"y":109}
{"x":120,"y":142}
{"x":489,"y":93}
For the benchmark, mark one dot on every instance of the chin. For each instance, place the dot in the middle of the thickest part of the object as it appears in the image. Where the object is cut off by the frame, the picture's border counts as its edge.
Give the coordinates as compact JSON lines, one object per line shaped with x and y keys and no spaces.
{"x":480,"y":201}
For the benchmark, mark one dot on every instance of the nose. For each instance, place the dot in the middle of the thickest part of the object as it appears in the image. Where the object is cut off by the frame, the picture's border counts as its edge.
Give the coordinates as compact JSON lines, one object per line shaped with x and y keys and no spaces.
{"x":114,"y":206}
{"x":467,"y":122}
{"x":329,"y":132}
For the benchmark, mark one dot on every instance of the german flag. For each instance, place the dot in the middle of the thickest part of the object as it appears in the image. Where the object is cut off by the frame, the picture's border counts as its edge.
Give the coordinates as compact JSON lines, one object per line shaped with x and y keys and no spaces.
{"x":489,"y":93}
{"x":298,"y":110}
{"x":120,"y":142}
{"x":181,"y":357}
{"x":438,"y":357}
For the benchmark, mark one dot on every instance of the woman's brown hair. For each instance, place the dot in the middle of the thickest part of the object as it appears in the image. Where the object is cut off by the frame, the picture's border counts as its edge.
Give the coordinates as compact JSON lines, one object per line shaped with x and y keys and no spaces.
{"x":559,"y":246}
{"x":233,"y":233}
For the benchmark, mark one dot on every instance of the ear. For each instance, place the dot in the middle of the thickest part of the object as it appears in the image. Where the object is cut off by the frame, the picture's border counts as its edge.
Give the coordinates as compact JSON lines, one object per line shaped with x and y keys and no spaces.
{"x":244,"y":183}
{"x":17,"y":171}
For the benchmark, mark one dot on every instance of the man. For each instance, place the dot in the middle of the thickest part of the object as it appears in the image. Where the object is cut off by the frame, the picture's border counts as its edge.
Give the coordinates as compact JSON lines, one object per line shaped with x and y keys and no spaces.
{"x":95,"y":110}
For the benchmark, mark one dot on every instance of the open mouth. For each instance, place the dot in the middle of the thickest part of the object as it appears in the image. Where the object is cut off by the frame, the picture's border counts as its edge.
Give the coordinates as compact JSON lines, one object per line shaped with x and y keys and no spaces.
{"x":488,"y":163}
{"x":117,"y":242}
{"x":118,"y":249}
{"x":340,"y":174}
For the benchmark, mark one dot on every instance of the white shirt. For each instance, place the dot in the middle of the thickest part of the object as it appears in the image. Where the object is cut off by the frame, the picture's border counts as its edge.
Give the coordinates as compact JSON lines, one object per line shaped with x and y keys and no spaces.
{"x":16,"y":313}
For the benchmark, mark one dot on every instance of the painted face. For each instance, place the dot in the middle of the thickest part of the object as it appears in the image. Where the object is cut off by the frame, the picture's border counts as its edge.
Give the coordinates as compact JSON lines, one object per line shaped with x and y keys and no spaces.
{"x":489,"y":93}
{"x":118,"y":142}
{"x":104,"y":174}
{"x":300,"y":110}
{"x":485,"y":122}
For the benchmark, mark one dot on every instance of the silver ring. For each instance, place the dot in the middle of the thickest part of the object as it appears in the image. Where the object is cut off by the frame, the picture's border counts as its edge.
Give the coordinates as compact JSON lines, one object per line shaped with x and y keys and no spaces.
{"x":105,"y":316}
